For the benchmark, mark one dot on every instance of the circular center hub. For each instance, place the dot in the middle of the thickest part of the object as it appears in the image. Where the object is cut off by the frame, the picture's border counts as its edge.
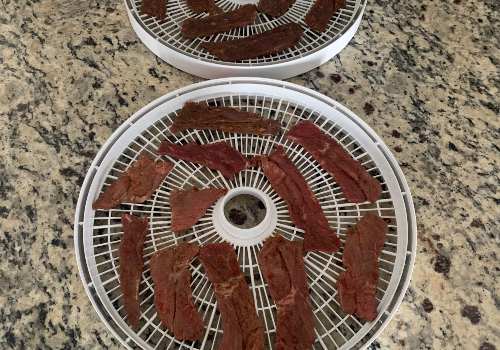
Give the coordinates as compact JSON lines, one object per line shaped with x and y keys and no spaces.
{"x":245,"y":211}
{"x":245,"y":216}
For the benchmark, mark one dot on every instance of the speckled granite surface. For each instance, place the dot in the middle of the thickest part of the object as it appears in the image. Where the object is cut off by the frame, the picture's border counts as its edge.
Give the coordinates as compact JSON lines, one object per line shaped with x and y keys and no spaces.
{"x":423,"y":74}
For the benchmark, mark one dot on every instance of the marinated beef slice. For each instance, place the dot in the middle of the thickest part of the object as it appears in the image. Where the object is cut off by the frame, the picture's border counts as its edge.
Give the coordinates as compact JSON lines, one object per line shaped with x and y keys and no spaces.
{"x":282,"y":265}
{"x":241,"y":326}
{"x":358,"y":284}
{"x":217,"y":156}
{"x":242,"y":16}
{"x":172,"y":291}
{"x":321,"y":12}
{"x":154,"y":8}
{"x":131,"y":264}
{"x":200,"y":6}
{"x":304,"y":209}
{"x":275,"y":8}
{"x":136,"y":184}
{"x":266,"y":43}
{"x":188,"y":206}
{"x":199,"y":115}
{"x":356,"y":183}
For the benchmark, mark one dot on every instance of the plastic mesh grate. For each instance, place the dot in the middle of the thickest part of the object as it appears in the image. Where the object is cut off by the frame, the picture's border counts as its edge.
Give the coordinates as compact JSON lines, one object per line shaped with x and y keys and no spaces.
{"x":102,"y":230}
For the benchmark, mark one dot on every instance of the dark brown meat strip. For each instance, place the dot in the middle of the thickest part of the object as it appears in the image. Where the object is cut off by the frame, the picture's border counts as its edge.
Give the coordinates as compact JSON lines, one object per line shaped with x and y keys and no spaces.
{"x":266,"y":43}
{"x":200,"y":6}
{"x":136,"y":184}
{"x":188,"y":206}
{"x":356,"y":183}
{"x":131,"y":264}
{"x":242,"y":16}
{"x":357,"y":286}
{"x":282,"y":265}
{"x":204,"y":117}
{"x":242,"y":327}
{"x":275,"y":8}
{"x":218,"y":156}
{"x":321,"y":12}
{"x":305,"y":210}
{"x":154,"y":8}
{"x":172,"y":291}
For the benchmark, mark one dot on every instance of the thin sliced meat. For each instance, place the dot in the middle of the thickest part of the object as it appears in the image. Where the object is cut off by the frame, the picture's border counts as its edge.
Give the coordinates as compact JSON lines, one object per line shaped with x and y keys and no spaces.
{"x":356,"y":183}
{"x":131,"y":264}
{"x":200,"y":6}
{"x":199,"y":115}
{"x":275,"y":8}
{"x":154,"y":8}
{"x":218,"y":156}
{"x":188,"y":206}
{"x":305,"y":210}
{"x":242,"y":16}
{"x":136,"y":184}
{"x":357,"y":286}
{"x":172,"y":291}
{"x":321,"y":12}
{"x":282,"y":265}
{"x":242,"y":327}
{"x":265,"y":43}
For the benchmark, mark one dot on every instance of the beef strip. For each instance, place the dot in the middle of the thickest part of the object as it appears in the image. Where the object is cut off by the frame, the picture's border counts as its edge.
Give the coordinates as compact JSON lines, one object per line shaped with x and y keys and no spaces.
{"x":136,"y":184}
{"x":131,"y":264}
{"x":358,"y":284}
{"x":356,"y":183}
{"x":172,"y":291}
{"x":305,"y":210}
{"x":274,"y":8}
{"x":218,"y":156}
{"x":200,"y":6}
{"x":265,"y":43}
{"x":188,"y":206}
{"x":202,"y":116}
{"x":282,"y":265}
{"x":242,"y":16}
{"x":321,"y":12}
{"x":242,"y":327}
{"x":154,"y":8}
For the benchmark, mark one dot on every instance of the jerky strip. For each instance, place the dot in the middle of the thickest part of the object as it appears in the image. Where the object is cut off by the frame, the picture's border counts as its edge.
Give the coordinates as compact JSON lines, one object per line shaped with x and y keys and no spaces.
{"x":266,"y":43}
{"x":154,"y":8}
{"x":275,"y":8}
{"x":200,"y":6}
{"x":194,"y":27}
{"x":204,"y":117}
{"x":321,"y":12}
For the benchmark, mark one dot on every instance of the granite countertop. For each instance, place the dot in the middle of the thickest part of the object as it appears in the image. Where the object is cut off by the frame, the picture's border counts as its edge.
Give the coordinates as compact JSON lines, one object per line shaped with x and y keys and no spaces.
{"x":423,"y":74}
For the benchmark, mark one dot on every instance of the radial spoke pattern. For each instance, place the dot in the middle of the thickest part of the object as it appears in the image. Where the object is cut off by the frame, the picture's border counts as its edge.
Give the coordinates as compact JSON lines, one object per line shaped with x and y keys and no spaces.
{"x":168,"y":30}
{"x":334,"y":328}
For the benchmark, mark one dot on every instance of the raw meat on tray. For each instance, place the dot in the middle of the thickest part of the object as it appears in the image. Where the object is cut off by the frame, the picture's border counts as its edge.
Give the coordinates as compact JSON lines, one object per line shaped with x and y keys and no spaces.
{"x":282,"y":264}
{"x":131,"y":264}
{"x":188,"y":206}
{"x":172,"y":291}
{"x":241,"y":326}
{"x":357,"y":286}
{"x":304,"y":209}
{"x":356,"y":183}
{"x":136,"y":184}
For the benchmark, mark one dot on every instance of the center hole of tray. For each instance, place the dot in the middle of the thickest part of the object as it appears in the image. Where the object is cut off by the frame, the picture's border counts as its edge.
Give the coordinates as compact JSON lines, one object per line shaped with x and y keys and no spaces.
{"x":245,"y":211}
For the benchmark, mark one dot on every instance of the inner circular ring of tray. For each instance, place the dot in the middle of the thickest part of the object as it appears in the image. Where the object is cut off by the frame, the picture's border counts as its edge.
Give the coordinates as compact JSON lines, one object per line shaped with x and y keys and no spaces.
{"x":165,"y":40}
{"x":98,"y":233}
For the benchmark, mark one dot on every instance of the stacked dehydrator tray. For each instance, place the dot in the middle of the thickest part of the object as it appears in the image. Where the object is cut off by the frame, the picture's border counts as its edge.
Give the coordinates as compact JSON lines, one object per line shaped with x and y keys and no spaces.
{"x":244,"y":85}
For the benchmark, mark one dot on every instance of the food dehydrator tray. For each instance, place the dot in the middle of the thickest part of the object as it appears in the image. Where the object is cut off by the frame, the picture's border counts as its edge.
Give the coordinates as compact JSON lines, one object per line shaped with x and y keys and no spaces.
{"x":98,"y":233}
{"x":163,"y":38}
